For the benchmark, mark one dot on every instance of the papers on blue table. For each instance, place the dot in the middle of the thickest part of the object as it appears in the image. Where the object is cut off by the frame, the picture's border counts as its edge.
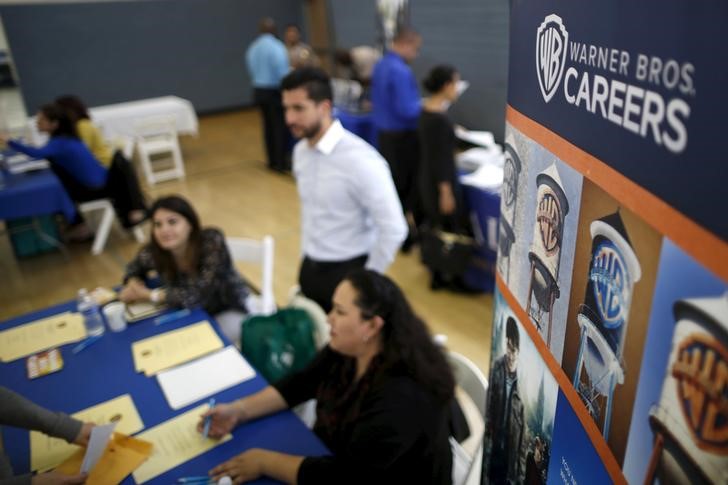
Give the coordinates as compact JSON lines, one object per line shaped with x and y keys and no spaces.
{"x":204,"y":377}
{"x":480,"y":138}
{"x":100,"y":436}
{"x":20,"y":163}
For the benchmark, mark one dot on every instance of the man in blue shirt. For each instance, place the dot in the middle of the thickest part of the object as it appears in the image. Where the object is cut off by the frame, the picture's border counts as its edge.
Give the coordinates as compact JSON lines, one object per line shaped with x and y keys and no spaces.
{"x":396,"y":107}
{"x":267,"y":61}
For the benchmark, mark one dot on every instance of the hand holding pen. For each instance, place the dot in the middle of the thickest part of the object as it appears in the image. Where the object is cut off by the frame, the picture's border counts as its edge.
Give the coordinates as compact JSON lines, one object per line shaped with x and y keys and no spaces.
{"x":222,"y":420}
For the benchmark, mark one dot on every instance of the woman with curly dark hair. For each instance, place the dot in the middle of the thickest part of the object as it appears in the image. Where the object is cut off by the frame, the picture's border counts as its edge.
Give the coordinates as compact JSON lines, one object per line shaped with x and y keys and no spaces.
{"x":383,"y":391}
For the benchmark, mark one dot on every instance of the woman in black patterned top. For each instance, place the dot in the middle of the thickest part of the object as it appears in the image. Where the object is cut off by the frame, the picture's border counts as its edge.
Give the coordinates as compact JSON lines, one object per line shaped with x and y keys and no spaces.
{"x":193,"y":263}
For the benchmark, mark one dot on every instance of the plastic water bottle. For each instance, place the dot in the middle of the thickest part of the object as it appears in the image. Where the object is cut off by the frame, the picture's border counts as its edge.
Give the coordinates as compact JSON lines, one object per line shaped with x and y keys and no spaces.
{"x":91,"y":315}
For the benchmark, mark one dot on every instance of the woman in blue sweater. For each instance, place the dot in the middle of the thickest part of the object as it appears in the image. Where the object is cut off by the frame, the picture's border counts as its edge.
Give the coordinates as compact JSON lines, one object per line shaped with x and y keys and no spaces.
{"x":83,"y":177}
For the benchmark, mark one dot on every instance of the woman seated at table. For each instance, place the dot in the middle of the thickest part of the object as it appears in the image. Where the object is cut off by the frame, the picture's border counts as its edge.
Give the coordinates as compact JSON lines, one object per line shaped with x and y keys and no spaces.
{"x":194,"y":266}
{"x":383,"y":391}
{"x":83,"y":177}
{"x":109,"y":157}
{"x":440,"y":192}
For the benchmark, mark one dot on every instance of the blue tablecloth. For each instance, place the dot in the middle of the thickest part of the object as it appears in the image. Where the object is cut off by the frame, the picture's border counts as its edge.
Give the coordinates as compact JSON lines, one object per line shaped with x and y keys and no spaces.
{"x":33,"y":194}
{"x":105,"y":370}
{"x":361,"y":124}
{"x":484,"y":206}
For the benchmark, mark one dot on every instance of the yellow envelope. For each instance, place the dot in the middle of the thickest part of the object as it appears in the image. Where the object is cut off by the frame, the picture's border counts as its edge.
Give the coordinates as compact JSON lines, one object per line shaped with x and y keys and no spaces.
{"x":169,"y":349}
{"x":47,"y":452}
{"x":176,"y":441}
{"x":43,"y":334}
{"x":122,"y":456}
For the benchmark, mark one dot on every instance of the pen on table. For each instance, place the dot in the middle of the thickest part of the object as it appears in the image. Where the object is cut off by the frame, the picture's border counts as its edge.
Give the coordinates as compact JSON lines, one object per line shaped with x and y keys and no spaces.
{"x":203,"y":479}
{"x":170,"y":317}
{"x":196,"y":480}
{"x":208,"y":419}
{"x":90,"y":340}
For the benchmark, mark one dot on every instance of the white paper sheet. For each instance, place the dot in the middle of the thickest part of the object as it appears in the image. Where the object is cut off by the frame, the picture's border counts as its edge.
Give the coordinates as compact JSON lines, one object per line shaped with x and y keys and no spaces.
{"x":100,"y":436}
{"x":482,"y":138}
{"x":203,"y":377}
{"x":489,"y":177}
{"x":475,"y":158}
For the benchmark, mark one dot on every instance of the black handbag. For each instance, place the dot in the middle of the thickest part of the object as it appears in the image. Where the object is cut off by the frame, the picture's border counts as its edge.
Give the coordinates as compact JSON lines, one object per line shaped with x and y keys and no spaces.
{"x":446,"y":252}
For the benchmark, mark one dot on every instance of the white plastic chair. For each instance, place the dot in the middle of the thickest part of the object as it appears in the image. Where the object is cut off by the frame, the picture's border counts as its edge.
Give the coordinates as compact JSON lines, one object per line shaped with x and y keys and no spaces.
{"x":157,"y":136}
{"x":105,"y":223}
{"x":260,"y":251}
{"x":471,"y":391}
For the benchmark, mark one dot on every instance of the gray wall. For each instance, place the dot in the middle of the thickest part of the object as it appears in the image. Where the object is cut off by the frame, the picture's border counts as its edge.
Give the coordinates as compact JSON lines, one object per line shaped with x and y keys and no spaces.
{"x":472,"y":35}
{"x":118,"y":51}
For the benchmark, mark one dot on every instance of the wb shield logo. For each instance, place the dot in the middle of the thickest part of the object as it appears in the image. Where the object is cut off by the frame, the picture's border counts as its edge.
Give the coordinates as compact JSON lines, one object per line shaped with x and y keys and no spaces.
{"x":701,"y":370}
{"x":551,"y":41}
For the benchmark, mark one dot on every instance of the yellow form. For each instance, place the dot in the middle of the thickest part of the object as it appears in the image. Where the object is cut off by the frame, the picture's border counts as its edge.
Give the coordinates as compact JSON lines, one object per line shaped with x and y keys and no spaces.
{"x":39,"y":335}
{"x":47,"y":452}
{"x":175,"y":442}
{"x":169,"y":349}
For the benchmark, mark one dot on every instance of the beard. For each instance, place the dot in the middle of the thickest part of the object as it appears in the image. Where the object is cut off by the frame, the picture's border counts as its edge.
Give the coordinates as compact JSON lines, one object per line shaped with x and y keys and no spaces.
{"x":307,"y":132}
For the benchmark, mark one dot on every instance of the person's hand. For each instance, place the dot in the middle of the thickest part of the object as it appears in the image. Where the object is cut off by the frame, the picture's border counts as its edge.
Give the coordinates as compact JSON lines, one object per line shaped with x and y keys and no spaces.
{"x":4,"y":138}
{"x":84,"y":434}
{"x":243,"y":468}
{"x":447,"y":201}
{"x":134,"y":290}
{"x":224,"y":417}
{"x":55,"y":478}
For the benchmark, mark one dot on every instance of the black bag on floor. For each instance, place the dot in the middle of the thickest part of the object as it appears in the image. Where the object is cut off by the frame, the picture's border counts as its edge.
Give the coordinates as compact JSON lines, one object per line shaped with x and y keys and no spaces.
{"x":446,"y":252}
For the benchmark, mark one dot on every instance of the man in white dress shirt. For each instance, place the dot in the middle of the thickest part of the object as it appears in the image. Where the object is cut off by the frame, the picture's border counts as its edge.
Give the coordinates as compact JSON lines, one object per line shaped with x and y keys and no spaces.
{"x":351,"y":216}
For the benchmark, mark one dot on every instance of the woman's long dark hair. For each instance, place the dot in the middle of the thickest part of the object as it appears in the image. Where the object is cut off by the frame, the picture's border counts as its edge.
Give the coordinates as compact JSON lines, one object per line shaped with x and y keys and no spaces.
{"x":407,"y":345}
{"x":65,"y":127}
{"x":163,"y":259}
{"x":73,"y":105}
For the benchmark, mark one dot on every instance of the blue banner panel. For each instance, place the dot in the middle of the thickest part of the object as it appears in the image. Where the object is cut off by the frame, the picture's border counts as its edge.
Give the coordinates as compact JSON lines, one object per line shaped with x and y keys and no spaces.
{"x":638,"y":85}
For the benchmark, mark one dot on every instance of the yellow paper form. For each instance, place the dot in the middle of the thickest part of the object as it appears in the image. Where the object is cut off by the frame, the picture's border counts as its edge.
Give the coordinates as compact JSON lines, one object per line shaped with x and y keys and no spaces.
{"x":175,"y":442}
{"x":39,"y":335}
{"x":160,"y":352}
{"x":47,"y":452}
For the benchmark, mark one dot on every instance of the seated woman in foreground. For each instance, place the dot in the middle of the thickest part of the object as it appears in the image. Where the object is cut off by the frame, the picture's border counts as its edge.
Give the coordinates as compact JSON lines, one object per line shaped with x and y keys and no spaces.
{"x":383,"y":391}
{"x":193,"y":264}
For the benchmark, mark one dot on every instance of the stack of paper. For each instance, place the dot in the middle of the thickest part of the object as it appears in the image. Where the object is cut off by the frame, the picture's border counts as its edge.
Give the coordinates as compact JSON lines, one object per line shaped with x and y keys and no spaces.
{"x":196,"y":380}
{"x":47,"y":452}
{"x":43,"y":334}
{"x":169,"y":349}
{"x":475,"y":158}
{"x":175,"y":442}
{"x":489,"y":177}
{"x":481,"y":138}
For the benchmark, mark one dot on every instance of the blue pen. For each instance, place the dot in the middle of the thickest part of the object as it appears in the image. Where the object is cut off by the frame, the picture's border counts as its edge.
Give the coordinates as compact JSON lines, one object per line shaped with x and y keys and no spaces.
{"x":200,"y":479}
{"x":171,"y":317}
{"x":78,"y":348}
{"x":208,"y":419}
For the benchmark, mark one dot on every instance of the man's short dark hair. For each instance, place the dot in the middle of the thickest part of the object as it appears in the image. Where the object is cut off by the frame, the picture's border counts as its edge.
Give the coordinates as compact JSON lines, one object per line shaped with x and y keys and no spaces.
{"x":512,"y":332}
{"x":406,"y":34}
{"x":315,"y":81}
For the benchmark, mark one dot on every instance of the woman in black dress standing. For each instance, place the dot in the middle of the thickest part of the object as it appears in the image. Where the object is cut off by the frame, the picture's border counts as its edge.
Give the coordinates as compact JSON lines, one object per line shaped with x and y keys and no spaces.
{"x":440,"y":192}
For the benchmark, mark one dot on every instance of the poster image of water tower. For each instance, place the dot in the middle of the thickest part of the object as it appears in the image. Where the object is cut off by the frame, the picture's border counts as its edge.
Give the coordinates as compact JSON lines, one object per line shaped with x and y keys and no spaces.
{"x":511,"y":201}
{"x":615,"y":263}
{"x":521,"y":404}
{"x":679,"y":432}
{"x":541,"y":257}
